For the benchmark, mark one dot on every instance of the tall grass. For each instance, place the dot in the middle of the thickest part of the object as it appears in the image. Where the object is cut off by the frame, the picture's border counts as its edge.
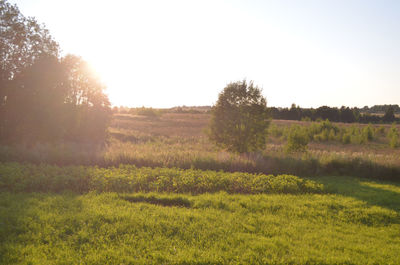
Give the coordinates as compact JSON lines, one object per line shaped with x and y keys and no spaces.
{"x":177,"y":140}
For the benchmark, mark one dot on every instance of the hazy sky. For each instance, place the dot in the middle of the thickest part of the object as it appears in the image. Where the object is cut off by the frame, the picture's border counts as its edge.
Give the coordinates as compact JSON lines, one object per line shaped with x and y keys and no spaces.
{"x":168,"y":53}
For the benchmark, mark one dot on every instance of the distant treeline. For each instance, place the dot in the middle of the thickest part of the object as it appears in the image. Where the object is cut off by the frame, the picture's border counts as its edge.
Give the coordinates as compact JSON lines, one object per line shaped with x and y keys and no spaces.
{"x":381,"y":108}
{"x":343,"y":114}
{"x":374,"y":114}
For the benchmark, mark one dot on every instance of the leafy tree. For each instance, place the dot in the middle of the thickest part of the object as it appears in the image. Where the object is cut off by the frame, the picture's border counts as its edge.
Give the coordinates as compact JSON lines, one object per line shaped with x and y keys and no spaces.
{"x":22,"y":41}
{"x":239,"y":119}
{"x":35,"y":100}
{"x":43,"y":97}
{"x":56,"y":99}
{"x":389,"y":115}
{"x":87,"y":107}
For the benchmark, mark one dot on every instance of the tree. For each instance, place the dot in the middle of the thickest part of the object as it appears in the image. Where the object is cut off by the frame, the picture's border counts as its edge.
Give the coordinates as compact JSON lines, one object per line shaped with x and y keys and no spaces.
{"x":22,"y":42}
{"x":389,"y":115}
{"x":87,"y":106}
{"x":56,"y":99}
{"x":44,"y":97}
{"x":35,"y":102}
{"x":239,"y":119}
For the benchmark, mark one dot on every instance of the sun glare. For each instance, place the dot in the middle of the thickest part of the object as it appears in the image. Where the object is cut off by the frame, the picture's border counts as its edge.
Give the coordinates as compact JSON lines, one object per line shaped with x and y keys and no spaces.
{"x":168,"y":53}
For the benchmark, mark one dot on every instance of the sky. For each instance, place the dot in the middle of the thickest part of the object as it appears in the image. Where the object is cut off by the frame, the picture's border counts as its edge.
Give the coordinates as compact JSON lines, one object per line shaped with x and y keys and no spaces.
{"x":161,"y":54}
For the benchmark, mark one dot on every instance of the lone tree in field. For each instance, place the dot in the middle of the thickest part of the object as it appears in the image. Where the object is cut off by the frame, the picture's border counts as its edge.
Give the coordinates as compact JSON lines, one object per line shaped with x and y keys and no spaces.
{"x":239,"y":119}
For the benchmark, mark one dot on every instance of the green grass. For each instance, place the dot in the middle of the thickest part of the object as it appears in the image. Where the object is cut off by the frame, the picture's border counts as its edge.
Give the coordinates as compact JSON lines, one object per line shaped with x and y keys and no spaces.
{"x":357,"y":223}
{"x":164,"y":215}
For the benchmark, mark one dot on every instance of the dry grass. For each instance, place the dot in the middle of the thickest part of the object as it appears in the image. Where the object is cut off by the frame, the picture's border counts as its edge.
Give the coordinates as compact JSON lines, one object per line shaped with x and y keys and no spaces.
{"x":179,"y":140}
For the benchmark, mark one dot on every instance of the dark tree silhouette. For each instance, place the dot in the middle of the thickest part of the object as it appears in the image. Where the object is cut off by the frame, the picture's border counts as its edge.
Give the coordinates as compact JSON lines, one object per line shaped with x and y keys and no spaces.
{"x":22,"y":41}
{"x":35,"y":100}
{"x":86,"y":103}
{"x":43,"y":97}
{"x":239,"y":120}
{"x":389,"y":115}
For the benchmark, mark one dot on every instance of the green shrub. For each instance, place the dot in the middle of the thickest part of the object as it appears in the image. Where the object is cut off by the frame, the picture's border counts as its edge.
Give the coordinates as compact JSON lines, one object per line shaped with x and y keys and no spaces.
{"x":275,"y":131}
{"x":127,"y":179}
{"x":149,"y":112}
{"x":368,"y":133}
{"x":394,"y":141}
{"x":380,"y":130}
{"x":346,"y":138}
{"x":393,"y":136}
{"x":297,"y":140}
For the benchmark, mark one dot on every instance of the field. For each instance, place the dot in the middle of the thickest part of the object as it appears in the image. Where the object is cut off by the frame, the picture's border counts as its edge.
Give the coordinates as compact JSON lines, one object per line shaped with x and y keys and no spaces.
{"x":179,"y":140}
{"x":158,"y":192}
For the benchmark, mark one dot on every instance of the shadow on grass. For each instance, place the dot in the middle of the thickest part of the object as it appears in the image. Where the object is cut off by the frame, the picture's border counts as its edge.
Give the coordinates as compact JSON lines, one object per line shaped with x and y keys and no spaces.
{"x":374,"y":193}
{"x":162,"y":201}
{"x":20,"y":214}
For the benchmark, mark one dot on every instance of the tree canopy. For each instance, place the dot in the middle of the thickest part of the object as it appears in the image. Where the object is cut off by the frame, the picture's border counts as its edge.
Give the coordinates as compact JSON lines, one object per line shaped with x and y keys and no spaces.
{"x":44,"y":97}
{"x":239,"y":120}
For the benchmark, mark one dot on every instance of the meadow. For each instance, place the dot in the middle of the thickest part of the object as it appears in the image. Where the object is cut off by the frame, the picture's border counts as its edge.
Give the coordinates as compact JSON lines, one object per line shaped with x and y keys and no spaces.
{"x":179,"y":140}
{"x":158,"y":192}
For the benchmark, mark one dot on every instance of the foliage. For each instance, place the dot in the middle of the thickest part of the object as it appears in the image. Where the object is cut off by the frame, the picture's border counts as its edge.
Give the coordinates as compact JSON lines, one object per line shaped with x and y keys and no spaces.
{"x":64,"y":101}
{"x":87,"y":106}
{"x":344,"y":114}
{"x":177,"y":140}
{"x":239,"y":119}
{"x":125,"y":178}
{"x":44,"y":98}
{"x":148,"y":112}
{"x":297,"y":140}
{"x":22,"y":41}
{"x":389,"y":115}
{"x":393,"y":136}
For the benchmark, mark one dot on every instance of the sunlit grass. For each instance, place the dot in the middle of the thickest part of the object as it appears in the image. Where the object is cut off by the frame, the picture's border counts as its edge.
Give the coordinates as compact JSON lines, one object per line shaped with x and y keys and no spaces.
{"x":358,"y":224}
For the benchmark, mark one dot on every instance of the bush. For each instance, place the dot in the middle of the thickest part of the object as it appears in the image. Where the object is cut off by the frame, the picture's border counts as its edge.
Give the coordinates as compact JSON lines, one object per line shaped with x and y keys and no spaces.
{"x":149,"y":112}
{"x":346,"y":139}
{"x":393,"y":136}
{"x":368,"y":133}
{"x":127,"y":179}
{"x":297,"y":140}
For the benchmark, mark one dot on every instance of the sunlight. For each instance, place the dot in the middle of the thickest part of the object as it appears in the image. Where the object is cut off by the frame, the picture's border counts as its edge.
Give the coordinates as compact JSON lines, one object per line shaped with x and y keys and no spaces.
{"x":163,"y":54}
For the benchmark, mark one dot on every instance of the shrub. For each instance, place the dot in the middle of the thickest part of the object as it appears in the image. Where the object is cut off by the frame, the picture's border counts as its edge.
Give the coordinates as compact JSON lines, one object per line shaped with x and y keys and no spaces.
{"x":297,"y":140}
{"x":368,"y":133}
{"x":393,"y":136}
{"x":346,"y":138}
{"x":127,"y":178}
{"x":149,"y":112}
{"x":275,"y":131}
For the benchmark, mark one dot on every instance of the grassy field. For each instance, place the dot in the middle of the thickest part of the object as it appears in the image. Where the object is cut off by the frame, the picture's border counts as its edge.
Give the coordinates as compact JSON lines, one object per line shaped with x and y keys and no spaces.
{"x":158,"y":192}
{"x":179,"y":140}
{"x":357,"y":222}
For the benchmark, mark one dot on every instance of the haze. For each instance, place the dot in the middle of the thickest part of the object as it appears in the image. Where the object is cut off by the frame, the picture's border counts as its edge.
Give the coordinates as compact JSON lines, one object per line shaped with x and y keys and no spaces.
{"x":170,"y":53}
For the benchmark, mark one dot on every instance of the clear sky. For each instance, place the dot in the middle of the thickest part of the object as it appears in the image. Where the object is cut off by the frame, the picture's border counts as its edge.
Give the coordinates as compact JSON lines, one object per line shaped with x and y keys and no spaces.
{"x":160,"y":53}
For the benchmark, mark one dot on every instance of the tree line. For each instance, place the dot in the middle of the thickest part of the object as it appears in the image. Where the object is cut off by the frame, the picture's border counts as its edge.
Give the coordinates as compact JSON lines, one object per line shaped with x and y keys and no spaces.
{"x":343,"y":114}
{"x":43,"y":96}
